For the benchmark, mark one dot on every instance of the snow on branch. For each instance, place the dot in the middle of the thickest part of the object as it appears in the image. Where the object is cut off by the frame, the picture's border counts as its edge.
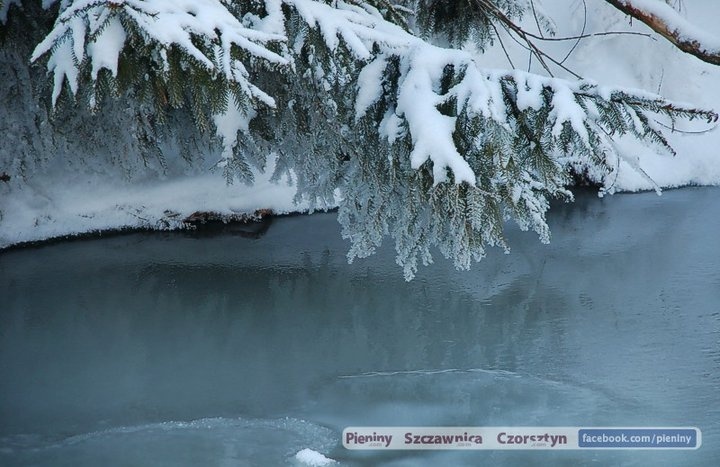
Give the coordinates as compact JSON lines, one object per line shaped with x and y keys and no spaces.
{"x":509,"y":139}
{"x":100,"y":26}
{"x":359,"y":28}
{"x":667,"y":22}
{"x":432,"y":131}
{"x":443,"y":103}
{"x":420,"y":104}
{"x":440,"y":90}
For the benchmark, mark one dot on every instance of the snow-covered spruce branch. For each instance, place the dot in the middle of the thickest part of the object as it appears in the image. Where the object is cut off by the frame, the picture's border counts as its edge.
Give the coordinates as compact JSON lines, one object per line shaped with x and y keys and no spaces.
{"x":424,"y":144}
{"x":205,"y":31}
{"x":180,"y":41}
{"x":513,"y":137}
{"x":426,"y":115}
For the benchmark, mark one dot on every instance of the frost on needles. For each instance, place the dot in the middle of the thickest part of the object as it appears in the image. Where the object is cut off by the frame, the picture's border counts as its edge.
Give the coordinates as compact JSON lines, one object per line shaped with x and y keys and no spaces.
{"x":419,"y":141}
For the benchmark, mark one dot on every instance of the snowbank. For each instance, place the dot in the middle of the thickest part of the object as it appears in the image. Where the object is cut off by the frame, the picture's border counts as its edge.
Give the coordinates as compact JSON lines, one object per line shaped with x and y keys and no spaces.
{"x":655,"y":65}
{"x":46,"y":210}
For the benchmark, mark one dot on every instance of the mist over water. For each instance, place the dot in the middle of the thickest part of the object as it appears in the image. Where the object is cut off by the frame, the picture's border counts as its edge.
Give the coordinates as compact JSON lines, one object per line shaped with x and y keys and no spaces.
{"x":179,"y":349}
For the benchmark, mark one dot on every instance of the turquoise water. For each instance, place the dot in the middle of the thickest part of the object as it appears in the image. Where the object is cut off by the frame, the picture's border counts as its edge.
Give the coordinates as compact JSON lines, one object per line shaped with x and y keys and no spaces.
{"x":178,"y":349}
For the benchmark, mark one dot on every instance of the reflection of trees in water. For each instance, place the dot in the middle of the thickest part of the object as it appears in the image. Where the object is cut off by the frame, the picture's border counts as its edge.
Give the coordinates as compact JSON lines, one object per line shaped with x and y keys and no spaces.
{"x":304,"y":329}
{"x":354,"y":319}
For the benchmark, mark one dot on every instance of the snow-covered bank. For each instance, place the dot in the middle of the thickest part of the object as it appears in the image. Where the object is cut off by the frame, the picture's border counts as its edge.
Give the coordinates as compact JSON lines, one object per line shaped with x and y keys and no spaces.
{"x":39,"y":212}
{"x":657,"y":66}
{"x":649,"y":63}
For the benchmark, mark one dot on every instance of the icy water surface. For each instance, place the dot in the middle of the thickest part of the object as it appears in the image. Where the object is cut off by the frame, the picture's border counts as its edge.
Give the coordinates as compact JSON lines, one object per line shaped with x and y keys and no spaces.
{"x":167,"y":349}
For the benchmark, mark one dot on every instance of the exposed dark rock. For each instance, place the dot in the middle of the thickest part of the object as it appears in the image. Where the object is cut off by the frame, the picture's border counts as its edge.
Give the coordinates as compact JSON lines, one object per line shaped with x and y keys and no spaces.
{"x":245,"y":225}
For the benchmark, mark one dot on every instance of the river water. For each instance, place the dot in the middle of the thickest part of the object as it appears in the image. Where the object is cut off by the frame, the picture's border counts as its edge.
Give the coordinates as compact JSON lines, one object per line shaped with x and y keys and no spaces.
{"x":178,"y":349}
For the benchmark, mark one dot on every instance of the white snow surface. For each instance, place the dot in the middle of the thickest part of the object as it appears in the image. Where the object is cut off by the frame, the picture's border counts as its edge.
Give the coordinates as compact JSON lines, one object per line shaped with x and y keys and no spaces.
{"x":658,"y":67}
{"x":50,"y":206}
{"x":313,"y":458}
{"x":43,"y":210}
{"x":644,"y":64}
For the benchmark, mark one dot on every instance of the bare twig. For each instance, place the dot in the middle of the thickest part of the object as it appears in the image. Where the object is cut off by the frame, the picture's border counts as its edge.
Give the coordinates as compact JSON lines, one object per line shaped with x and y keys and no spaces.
{"x":686,"y":132}
{"x":581,"y":33}
{"x":502,"y":44}
{"x":537,"y":21}
{"x":508,"y":24}
{"x":488,"y":7}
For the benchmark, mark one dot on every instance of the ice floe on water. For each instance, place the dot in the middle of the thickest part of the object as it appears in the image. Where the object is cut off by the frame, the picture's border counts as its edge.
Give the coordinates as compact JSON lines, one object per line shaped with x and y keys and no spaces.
{"x":210,"y":441}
